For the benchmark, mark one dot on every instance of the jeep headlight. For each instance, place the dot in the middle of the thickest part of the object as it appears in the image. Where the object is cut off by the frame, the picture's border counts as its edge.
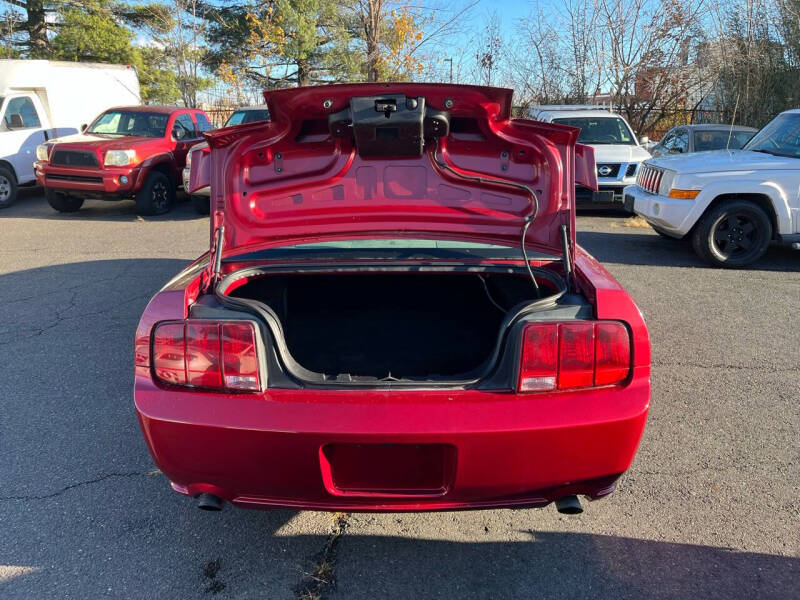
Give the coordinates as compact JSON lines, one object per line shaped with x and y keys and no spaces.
{"x":119,"y":158}
{"x":42,"y":152}
{"x":666,"y":182}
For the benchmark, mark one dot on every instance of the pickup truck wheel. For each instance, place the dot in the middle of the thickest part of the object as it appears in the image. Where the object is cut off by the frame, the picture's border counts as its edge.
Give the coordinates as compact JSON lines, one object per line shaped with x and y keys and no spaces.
{"x":201,"y":204}
{"x":732,"y":234}
{"x":63,"y":202}
{"x":156,"y":196}
{"x":8,"y":187}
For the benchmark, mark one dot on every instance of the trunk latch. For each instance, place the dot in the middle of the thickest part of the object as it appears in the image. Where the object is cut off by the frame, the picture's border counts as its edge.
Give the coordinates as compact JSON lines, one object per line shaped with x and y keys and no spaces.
{"x":391,"y":125}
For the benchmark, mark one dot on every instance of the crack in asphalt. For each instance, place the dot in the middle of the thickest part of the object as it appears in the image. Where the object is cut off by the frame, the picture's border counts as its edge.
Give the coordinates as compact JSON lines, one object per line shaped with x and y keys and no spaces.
{"x":758,"y":368}
{"x":80,"y":484}
{"x":320,"y":578}
{"x":60,"y":318}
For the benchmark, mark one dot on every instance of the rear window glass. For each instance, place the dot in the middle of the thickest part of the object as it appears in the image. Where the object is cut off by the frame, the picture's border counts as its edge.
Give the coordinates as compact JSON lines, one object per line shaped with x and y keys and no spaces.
{"x":718,"y":140}
{"x":247,"y":116}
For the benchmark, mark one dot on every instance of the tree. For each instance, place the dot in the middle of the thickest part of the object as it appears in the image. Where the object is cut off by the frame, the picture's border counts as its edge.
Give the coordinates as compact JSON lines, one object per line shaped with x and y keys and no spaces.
{"x":176,"y":28}
{"x":157,"y":80}
{"x":34,"y":41}
{"x":92,"y":33}
{"x":489,"y":50}
{"x":283,"y":42}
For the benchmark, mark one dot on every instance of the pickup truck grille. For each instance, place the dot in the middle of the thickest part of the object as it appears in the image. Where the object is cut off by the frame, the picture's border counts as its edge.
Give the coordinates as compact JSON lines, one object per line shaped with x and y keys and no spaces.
{"x":75,"y":178}
{"x":73,"y":158}
{"x":649,"y":178}
{"x":608,"y":170}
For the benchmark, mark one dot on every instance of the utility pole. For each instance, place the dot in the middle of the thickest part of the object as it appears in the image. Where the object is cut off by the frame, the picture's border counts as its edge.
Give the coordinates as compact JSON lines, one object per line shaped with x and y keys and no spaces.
{"x":450,"y":60}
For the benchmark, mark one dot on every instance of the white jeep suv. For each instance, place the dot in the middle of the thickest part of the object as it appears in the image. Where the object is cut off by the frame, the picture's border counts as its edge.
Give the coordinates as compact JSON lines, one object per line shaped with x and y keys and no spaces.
{"x":730,"y":203}
{"x":616,"y":150}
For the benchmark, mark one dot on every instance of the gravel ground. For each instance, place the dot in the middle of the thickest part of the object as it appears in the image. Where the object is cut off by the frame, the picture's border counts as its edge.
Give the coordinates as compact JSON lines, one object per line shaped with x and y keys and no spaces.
{"x":709,"y":509}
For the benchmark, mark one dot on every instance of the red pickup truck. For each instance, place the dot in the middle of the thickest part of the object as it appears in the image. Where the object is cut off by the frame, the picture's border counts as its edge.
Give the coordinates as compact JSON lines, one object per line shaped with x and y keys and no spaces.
{"x":393,"y":314}
{"x":130,"y":152}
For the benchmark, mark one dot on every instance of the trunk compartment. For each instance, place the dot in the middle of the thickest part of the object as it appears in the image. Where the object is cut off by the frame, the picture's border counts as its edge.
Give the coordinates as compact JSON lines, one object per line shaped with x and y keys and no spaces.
{"x":391,"y":325}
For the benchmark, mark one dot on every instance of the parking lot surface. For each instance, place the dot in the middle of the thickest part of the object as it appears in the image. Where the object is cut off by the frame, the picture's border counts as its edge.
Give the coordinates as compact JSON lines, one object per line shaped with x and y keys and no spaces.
{"x":708,"y":510}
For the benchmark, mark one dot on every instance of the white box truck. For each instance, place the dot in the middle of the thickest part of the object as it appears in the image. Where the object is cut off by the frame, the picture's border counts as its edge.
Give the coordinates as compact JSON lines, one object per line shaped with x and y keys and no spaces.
{"x":42,"y":99}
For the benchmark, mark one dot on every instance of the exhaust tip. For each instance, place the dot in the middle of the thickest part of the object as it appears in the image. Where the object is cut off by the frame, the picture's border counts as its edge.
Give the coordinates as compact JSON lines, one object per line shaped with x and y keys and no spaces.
{"x":569,"y":505}
{"x":210,"y":502}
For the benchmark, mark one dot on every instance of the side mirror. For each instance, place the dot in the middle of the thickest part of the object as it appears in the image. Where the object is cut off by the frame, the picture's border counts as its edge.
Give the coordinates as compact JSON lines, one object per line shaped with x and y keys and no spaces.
{"x":84,"y":127}
{"x":644,"y":140}
{"x":178,"y":133}
{"x":15,"y":121}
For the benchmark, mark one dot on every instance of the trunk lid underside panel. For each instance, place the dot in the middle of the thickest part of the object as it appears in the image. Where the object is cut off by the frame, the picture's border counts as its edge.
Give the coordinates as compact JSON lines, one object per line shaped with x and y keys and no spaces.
{"x":421,"y":160}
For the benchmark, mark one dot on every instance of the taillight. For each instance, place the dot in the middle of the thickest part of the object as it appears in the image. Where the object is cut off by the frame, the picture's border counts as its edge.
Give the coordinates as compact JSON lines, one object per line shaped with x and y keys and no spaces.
{"x":577,"y":354}
{"x":207,"y":354}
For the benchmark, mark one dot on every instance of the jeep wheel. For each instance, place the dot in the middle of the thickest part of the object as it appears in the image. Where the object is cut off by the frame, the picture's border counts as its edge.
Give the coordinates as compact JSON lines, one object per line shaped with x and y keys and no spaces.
{"x":63,"y":202}
{"x":8,"y":187}
{"x":732,"y":234}
{"x":156,"y":196}
{"x":201,"y":204}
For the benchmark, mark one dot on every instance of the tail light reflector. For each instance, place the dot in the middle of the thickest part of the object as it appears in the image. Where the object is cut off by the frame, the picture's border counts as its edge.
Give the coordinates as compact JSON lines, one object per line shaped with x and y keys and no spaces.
{"x":207,"y":354}
{"x":577,"y":354}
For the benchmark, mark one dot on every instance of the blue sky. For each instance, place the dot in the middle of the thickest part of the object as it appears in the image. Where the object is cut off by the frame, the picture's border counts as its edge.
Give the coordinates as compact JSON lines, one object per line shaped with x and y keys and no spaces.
{"x":509,"y":12}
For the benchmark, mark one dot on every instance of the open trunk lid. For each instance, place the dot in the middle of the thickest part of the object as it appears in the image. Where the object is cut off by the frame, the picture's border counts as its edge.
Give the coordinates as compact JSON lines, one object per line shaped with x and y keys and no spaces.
{"x":391,"y":161}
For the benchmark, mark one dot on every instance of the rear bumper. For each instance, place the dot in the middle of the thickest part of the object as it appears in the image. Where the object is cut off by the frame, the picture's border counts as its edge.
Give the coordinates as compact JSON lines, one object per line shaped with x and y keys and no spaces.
{"x":504,"y":449}
{"x":116,"y":182}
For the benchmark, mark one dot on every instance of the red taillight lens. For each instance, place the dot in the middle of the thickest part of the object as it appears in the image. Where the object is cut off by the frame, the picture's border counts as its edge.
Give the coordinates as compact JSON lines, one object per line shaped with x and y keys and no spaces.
{"x":578,"y":354}
{"x":575,"y":355}
{"x":207,"y":354}
{"x":539,"y":367}
{"x":612,"y":353}
{"x":203,"y":367}
{"x":169,"y":352}
{"x":239,"y":358}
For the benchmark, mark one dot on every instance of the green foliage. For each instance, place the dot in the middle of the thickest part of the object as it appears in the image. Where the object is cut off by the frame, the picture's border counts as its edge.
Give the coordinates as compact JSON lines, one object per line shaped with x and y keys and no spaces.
{"x":91,"y":33}
{"x":157,"y":80}
{"x":283,"y":42}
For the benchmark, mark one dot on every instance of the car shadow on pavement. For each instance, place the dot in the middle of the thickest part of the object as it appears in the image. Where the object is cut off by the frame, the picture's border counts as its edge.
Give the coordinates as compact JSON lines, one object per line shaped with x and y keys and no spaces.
{"x":653,"y":250}
{"x":31,"y":204}
{"x":557,"y":565}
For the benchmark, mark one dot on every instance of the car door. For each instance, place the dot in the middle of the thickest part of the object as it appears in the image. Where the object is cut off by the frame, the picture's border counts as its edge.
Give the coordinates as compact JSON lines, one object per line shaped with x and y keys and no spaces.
{"x":184,"y":134}
{"x":22,"y":132}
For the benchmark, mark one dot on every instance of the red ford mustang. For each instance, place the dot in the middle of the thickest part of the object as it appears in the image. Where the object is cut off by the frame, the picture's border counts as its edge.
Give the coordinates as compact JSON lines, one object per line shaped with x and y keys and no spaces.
{"x":393,"y":314}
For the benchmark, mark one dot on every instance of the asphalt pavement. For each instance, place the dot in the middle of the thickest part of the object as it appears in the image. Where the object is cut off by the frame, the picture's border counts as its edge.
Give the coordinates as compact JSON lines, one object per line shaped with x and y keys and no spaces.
{"x":708,"y":510}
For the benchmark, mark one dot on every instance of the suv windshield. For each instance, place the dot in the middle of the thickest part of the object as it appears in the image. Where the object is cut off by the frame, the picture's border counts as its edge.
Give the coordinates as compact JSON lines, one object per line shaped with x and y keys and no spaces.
{"x":780,"y":137}
{"x":247,"y":116}
{"x":600,"y":130}
{"x":129,"y":122}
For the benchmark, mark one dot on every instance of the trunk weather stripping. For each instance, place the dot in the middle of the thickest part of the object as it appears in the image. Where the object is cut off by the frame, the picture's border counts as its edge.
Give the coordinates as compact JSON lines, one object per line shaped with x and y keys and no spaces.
{"x":439,"y":162}
{"x":312,"y":379}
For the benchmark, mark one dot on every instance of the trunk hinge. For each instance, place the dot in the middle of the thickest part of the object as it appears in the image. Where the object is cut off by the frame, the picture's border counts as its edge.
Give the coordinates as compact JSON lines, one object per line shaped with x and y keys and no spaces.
{"x":214,"y":261}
